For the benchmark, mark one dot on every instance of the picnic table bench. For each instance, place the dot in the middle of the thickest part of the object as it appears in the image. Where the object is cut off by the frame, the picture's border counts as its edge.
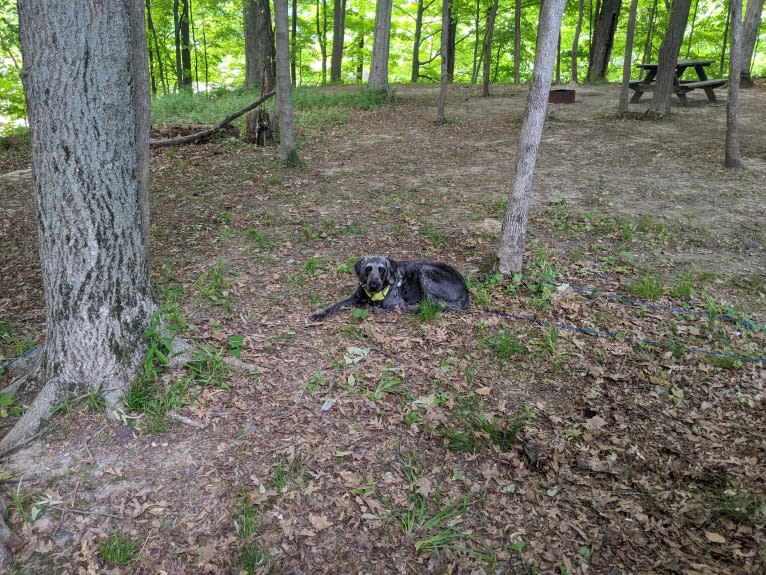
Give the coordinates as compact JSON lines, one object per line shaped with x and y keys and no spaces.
{"x":680,"y":87}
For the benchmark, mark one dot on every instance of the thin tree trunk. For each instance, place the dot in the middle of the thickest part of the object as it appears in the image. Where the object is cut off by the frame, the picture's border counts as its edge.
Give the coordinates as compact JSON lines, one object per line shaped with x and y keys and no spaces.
{"x":622,"y":106}
{"x":294,"y":42}
{"x":321,"y":27}
{"x":440,"y":118}
{"x":415,"y":73}
{"x":89,"y":144}
{"x":476,"y":42}
{"x":647,"y":56}
{"x":338,"y":34}
{"x":576,"y":41}
{"x":511,"y":251}
{"x":488,"y":41}
{"x":749,"y":37}
{"x":732,"y":155}
{"x":725,"y":42}
{"x":516,"y":41}
{"x":671,"y":45}
{"x":378,"y":80}
{"x":288,"y":151}
{"x":691,"y":32}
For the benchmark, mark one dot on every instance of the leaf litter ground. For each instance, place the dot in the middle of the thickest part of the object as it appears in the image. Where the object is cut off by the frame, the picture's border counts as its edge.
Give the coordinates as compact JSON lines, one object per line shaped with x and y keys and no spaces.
{"x":639,"y":452}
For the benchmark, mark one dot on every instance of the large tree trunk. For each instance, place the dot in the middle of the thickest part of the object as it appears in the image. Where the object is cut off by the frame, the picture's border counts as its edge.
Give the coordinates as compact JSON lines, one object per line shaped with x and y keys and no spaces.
{"x":259,"y":46}
{"x":338,"y":33}
{"x":288,"y":151}
{"x":671,"y":45}
{"x":381,"y":42}
{"x":622,"y":106}
{"x":89,"y":142}
{"x":488,"y":40}
{"x":749,"y":36}
{"x":603,"y":39}
{"x":732,"y":156}
{"x":511,"y":251}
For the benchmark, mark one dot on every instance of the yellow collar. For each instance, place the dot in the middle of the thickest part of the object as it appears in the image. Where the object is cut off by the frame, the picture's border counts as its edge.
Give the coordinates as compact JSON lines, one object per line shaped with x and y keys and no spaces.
{"x":377,"y":296}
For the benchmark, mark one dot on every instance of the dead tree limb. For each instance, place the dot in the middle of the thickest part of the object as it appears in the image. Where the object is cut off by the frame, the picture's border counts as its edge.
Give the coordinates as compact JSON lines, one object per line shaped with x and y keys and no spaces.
{"x":210,"y":131}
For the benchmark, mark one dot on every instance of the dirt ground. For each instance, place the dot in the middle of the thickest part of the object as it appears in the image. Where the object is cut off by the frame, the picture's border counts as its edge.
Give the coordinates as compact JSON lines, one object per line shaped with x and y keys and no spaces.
{"x":642,"y":447}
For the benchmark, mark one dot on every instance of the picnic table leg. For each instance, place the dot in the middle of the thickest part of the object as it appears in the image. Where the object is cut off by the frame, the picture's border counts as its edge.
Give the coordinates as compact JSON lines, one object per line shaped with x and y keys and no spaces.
{"x":682,"y":97}
{"x":710,"y":95}
{"x":636,"y":97}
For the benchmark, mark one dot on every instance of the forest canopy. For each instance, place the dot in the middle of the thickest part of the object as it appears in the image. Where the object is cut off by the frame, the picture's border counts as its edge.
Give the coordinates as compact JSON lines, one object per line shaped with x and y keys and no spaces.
{"x":215,"y":32}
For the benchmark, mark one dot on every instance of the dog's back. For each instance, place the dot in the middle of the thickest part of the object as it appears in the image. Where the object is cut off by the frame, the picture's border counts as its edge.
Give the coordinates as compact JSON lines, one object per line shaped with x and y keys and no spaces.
{"x":438,"y":282}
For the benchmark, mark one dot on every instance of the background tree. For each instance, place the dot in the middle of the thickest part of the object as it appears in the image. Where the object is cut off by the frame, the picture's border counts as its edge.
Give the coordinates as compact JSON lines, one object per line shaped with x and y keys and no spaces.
{"x":622,"y":106}
{"x":603,"y":39}
{"x":183,"y":44}
{"x":732,"y":156}
{"x":671,"y":44}
{"x":89,"y":144}
{"x":576,"y":40}
{"x":488,"y":39}
{"x":378,"y":80}
{"x":510,"y":254}
{"x":321,"y":29}
{"x":338,"y":34}
{"x":259,"y":46}
{"x":749,"y":36}
{"x":440,"y":119}
{"x":288,"y":151}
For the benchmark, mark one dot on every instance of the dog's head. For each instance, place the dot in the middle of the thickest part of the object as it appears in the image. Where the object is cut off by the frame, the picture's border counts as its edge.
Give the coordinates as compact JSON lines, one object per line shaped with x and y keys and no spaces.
{"x":376,"y":272}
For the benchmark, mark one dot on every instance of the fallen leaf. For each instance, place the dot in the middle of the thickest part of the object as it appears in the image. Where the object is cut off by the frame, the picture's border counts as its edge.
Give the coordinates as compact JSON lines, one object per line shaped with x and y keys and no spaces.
{"x":319,"y":522}
{"x":714,"y":537}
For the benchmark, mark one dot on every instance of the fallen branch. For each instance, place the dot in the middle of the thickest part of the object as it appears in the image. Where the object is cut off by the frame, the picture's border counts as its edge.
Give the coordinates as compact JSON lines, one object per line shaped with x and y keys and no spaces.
{"x":210,"y":131}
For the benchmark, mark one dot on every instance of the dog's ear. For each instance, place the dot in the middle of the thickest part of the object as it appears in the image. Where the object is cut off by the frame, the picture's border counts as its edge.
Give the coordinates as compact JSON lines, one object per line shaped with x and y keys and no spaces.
{"x":359,"y":268}
{"x":391,"y":267}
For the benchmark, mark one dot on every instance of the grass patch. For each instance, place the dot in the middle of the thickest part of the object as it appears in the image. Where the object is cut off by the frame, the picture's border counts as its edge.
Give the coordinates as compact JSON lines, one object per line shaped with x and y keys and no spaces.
{"x":647,"y":287}
{"x":504,"y":345}
{"x":120,"y":549}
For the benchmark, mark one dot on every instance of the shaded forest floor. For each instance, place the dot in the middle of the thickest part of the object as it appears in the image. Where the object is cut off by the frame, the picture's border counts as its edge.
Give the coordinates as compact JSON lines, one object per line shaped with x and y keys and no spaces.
{"x":385,"y":444}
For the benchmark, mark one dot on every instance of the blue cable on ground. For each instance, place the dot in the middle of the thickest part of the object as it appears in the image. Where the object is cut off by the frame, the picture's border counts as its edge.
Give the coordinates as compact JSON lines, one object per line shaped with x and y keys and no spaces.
{"x":15,"y":359}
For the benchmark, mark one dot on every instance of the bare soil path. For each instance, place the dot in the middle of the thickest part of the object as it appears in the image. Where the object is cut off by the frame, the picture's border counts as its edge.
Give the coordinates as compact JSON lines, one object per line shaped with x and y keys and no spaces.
{"x":645,"y":453}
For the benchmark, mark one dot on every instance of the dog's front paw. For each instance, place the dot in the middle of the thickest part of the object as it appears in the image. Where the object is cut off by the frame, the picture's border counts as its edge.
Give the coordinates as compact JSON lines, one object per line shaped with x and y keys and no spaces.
{"x":317,"y":317}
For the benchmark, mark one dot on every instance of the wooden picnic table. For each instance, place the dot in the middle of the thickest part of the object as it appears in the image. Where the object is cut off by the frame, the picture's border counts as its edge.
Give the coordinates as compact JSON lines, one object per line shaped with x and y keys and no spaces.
{"x":680,"y":87}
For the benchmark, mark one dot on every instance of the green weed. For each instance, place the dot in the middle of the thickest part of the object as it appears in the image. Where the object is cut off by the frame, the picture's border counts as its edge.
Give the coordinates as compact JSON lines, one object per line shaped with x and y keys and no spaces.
{"x":259,"y":238}
{"x":213,"y":285}
{"x":120,"y":549}
{"x":503,"y":345}
{"x":647,"y":287}
{"x":253,"y":558}
{"x":247,"y":523}
{"x":428,"y":311}
{"x":388,"y":385}
{"x":435,"y":237}
{"x":468,"y":430}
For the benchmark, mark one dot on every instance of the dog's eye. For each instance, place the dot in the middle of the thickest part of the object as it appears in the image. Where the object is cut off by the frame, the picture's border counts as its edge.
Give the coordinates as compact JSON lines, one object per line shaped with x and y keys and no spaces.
{"x":368,"y":269}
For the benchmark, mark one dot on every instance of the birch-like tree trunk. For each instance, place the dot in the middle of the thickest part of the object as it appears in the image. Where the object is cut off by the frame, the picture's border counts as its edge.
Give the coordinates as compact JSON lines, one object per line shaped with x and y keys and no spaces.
{"x":86,"y":82}
{"x":732,"y":155}
{"x":749,"y":36}
{"x":622,"y":106}
{"x":440,"y":119}
{"x":288,"y":151}
{"x":381,"y":42}
{"x":511,"y":252}
{"x":669,"y":50}
{"x":415,"y":71}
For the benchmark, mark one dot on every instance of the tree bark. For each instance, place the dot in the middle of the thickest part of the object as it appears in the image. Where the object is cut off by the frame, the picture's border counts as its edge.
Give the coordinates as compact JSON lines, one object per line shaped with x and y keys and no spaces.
{"x":749,"y":36}
{"x":671,"y":45}
{"x":381,"y":42}
{"x":321,"y":28}
{"x":415,"y":72}
{"x":338,"y":34}
{"x":183,"y":42}
{"x":516,"y":41}
{"x":488,"y":40}
{"x":259,"y":46}
{"x":647,"y":56}
{"x":440,"y":118}
{"x":732,"y":155}
{"x":288,"y":151}
{"x":622,"y":106}
{"x":576,"y":41}
{"x":89,"y":143}
{"x":603,"y":39}
{"x":511,"y":251}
